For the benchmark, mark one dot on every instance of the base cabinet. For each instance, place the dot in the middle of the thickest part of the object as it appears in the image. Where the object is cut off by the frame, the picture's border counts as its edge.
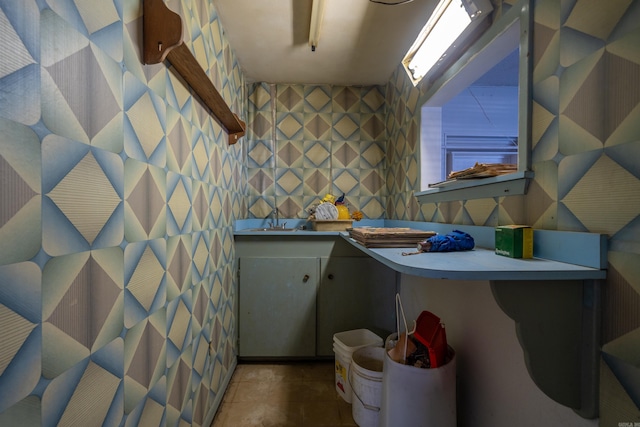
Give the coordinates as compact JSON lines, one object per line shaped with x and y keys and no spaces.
{"x":295,"y":293}
{"x":277,"y":307}
{"x":354,"y":293}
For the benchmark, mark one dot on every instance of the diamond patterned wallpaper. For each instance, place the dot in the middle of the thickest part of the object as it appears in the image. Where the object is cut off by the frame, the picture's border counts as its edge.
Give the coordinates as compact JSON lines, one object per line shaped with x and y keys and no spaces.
{"x":305,"y":141}
{"x":117,"y":197}
{"x":586,"y":157}
{"x":118,"y":193}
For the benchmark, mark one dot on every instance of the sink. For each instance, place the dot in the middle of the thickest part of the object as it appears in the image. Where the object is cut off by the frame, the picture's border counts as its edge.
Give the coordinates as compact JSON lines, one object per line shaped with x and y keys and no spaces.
{"x":273,"y":229}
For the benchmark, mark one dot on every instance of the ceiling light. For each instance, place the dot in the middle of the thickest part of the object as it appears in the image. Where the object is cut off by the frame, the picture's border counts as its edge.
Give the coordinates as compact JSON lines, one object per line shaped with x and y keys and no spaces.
{"x":446,"y":30}
{"x":317,"y":11}
{"x":391,"y":3}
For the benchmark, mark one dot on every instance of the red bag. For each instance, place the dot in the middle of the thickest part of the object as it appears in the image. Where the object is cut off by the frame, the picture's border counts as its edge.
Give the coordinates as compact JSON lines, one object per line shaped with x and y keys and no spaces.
{"x":430,"y":332}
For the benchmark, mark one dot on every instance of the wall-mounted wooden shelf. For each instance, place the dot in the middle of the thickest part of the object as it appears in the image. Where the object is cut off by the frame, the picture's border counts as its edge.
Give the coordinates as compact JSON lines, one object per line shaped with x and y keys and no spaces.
{"x":162,"y":39}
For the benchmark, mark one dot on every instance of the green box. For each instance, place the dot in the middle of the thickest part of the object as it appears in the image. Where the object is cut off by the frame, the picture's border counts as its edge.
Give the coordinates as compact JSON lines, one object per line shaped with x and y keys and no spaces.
{"x":515,"y":241}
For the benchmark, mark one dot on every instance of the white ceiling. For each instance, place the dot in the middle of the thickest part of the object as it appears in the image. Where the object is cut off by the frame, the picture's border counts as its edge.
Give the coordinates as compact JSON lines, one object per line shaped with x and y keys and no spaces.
{"x":361,"y":42}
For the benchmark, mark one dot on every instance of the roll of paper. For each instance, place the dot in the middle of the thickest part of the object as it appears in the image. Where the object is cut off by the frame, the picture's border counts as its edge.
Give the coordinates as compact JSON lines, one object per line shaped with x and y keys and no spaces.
{"x":326,"y":211}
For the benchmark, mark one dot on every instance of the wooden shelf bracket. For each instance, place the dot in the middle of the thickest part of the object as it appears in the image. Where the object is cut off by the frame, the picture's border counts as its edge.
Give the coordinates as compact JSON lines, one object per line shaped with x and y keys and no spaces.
{"x":162,"y":39}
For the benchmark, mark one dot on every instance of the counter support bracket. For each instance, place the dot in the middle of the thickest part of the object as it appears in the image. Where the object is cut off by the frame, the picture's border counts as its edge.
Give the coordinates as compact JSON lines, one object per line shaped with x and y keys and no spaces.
{"x":558,"y":326}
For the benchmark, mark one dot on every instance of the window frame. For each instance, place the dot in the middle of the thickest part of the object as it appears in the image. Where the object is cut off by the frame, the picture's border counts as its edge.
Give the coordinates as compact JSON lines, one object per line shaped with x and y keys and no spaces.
{"x":519,"y":18}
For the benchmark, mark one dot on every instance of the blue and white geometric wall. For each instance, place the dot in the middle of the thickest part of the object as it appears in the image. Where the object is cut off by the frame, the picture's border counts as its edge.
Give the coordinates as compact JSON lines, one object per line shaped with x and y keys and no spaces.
{"x":586,"y":159}
{"x":117,"y":197}
{"x":118,"y":193}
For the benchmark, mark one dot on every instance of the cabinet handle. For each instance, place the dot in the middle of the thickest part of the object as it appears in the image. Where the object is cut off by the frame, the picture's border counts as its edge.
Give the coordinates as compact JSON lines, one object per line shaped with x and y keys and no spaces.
{"x":330,"y":276}
{"x":305,"y":279}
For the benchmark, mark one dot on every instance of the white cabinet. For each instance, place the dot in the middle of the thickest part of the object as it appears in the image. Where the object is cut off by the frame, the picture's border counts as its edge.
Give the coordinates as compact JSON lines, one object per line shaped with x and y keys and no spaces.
{"x":277,"y":307}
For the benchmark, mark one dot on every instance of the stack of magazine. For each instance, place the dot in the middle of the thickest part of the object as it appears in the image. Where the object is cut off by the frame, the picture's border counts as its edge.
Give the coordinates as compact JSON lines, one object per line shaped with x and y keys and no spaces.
{"x":479,"y":170}
{"x":387,"y":237}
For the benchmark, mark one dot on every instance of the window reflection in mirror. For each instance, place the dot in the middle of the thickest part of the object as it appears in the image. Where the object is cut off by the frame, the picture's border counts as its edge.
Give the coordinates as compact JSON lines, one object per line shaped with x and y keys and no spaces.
{"x":479,"y":111}
{"x":480,"y":124}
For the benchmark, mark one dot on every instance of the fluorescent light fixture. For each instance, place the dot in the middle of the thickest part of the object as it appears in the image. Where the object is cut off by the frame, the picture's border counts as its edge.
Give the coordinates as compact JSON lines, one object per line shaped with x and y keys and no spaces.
{"x":448,"y":27}
{"x":317,"y":12}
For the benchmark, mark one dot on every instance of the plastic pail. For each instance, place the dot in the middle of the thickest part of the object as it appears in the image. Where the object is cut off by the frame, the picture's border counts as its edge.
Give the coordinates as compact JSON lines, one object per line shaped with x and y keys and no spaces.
{"x":418,"y":397}
{"x":343,"y":364}
{"x":366,"y":384}
{"x":344,"y":344}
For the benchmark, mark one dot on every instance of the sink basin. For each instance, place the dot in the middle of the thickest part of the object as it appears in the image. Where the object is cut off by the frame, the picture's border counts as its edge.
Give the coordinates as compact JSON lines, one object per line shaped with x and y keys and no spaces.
{"x":273,"y":229}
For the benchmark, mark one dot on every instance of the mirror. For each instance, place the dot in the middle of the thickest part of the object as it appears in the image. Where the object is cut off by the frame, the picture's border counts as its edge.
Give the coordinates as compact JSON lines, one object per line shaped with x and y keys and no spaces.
{"x":451,"y":137}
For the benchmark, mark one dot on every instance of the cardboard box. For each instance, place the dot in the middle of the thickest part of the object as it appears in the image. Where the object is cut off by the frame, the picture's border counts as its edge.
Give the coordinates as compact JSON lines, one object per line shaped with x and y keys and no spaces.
{"x":515,"y":241}
{"x":331,"y":224}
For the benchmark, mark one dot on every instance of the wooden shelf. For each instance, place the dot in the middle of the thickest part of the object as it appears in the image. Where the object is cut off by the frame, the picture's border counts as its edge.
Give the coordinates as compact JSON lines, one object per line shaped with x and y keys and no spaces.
{"x":162,"y":34}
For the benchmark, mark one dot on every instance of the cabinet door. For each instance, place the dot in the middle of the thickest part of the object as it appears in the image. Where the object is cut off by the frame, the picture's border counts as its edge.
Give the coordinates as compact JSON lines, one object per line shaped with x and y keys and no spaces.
{"x":277,"y":307}
{"x":355,"y":293}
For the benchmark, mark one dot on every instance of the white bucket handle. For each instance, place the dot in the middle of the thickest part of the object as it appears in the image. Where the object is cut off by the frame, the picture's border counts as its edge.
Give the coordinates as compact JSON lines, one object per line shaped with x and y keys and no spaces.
{"x":353,"y":392}
{"x":404,"y":319}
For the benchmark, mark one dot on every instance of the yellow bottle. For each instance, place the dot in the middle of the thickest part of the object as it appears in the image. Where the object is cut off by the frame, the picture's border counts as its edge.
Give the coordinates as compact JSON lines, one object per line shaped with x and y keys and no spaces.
{"x":329,"y":198}
{"x":343,"y":211}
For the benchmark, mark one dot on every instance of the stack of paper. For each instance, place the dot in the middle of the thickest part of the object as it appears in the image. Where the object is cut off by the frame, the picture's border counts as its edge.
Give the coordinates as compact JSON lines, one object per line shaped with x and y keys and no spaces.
{"x":387,"y":237}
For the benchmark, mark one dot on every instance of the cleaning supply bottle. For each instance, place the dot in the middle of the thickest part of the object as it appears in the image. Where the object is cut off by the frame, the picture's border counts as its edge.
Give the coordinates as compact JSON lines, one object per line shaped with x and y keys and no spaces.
{"x":343,"y":211}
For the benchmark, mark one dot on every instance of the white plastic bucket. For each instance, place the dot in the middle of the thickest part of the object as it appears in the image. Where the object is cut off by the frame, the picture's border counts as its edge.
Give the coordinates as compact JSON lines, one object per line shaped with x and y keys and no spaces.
{"x":418,"y":397}
{"x":366,"y":384}
{"x":343,"y":364}
{"x":344,"y":344}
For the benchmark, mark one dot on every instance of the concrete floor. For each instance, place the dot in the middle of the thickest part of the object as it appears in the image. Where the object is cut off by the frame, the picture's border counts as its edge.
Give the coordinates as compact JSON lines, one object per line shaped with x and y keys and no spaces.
{"x":295,"y":394}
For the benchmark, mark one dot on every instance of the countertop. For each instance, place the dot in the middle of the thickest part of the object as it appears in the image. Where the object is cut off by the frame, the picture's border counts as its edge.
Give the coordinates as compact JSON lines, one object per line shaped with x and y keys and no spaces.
{"x":558,"y":255}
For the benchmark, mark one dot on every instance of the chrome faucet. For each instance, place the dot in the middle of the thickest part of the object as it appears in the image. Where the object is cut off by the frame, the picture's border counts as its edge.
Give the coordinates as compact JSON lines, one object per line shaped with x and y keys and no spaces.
{"x":276,"y":216}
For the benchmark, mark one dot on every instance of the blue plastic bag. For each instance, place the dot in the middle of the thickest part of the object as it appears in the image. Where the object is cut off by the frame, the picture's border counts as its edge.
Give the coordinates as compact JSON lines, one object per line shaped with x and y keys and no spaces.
{"x":455,"y":241}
